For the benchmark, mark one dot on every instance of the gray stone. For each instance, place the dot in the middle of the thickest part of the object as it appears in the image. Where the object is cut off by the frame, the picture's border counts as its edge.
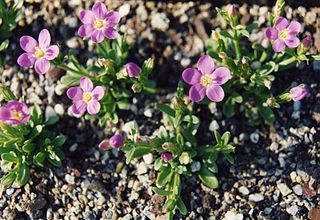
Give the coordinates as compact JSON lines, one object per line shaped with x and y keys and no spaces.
{"x":257,"y":197}
{"x":284,"y":189}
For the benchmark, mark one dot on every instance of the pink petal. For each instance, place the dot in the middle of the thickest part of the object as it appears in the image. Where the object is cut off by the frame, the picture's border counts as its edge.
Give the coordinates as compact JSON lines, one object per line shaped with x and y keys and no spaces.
{"x":110,"y":33}
{"x":197,"y":93}
{"x":86,"y":84}
{"x":97,"y":36}
{"x":278,"y":45}
{"x":112,"y":18}
{"x":294,"y":27}
{"x":42,"y":66}
{"x":221,"y":75}
{"x":4,"y":114}
{"x":206,"y":64}
{"x":93,"y":107}
{"x":87,"y":17}
{"x":15,"y":105}
{"x":78,"y":107}
{"x":75,"y":93}
{"x":52,"y":52}
{"x":98,"y":92}
{"x":271,"y":33}
{"x":292,"y":42}
{"x":215,"y":93}
{"x":99,"y":10}
{"x":85,"y":30}
{"x":26,"y":60}
{"x":44,"y":39}
{"x":281,"y":23}
{"x":28,"y":44}
{"x":191,"y":76}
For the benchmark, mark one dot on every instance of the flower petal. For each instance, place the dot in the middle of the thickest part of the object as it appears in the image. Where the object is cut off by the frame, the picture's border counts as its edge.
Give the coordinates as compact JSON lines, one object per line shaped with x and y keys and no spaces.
{"x":97,"y":36}
{"x":112,"y":18}
{"x":4,"y":114}
{"x":28,"y":44}
{"x":278,"y":45}
{"x":99,"y":10}
{"x":26,"y":60}
{"x":206,"y":64}
{"x":110,"y":33}
{"x":75,"y":93}
{"x":191,"y":76}
{"x":93,"y":107}
{"x":294,"y":27}
{"x":87,"y":17}
{"x":281,"y":23}
{"x":215,"y":93}
{"x":197,"y":92}
{"x":292,"y":42}
{"x":79,"y":107}
{"x":98,"y":92}
{"x":44,"y":39}
{"x":271,"y":33}
{"x":221,"y":75}
{"x":85,"y":30}
{"x":52,"y":52}
{"x":42,"y":66}
{"x":86,"y":84}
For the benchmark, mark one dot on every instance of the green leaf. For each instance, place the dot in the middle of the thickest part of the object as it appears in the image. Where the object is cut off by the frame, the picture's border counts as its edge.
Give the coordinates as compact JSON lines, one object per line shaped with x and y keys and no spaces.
{"x":169,"y":205}
{"x":157,"y":164}
{"x":166,"y":109}
{"x":217,"y":137}
{"x":36,"y":131}
{"x":226,"y":137}
{"x":10,"y":156}
{"x":180,"y":92}
{"x":39,"y":158}
{"x":161,"y":191}
{"x":208,"y":178}
{"x":181,"y":206}
{"x":229,"y":158}
{"x":59,"y":140}
{"x":28,"y":147}
{"x":7,"y":94}
{"x":163,"y":132}
{"x":7,"y":180}
{"x":164,"y":176}
{"x":228,"y":107}
{"x":190,"y":137}
{"x":23,"y":175}
{"x":52,"y":120}
{"x":36,"y":115}
{"x":267,"y":114}
{"x":226,"y":34}
{"x":70,"y":80}
{"x":54,"y":159}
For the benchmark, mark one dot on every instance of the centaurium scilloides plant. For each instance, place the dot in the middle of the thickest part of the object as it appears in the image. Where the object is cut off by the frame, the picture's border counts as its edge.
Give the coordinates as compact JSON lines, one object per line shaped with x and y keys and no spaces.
{"x":253,"y":66}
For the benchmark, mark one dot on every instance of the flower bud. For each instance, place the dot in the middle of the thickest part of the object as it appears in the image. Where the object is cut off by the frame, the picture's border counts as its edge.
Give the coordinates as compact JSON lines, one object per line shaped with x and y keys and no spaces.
{"x":215,"y":36}
{"x":297,"y":93}
{"x":176,"y":103}
{"x":116,"y":141}
{"x":185,"y":158}
{"x":104,"y":145}
{"x":306,"y":42}
{"x":222,"y":55}
{"x":232,"y":11}
{"x":166,"y":156}
{"x":137,"y":137}
{"x":132,"y":69}
{"x":136,"y":88}
{"x":167,"y":146}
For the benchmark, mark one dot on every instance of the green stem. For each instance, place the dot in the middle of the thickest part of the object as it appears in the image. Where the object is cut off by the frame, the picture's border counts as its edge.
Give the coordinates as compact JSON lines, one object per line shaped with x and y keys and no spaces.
{"x":237,"y":45}
{"x":287,"y":63}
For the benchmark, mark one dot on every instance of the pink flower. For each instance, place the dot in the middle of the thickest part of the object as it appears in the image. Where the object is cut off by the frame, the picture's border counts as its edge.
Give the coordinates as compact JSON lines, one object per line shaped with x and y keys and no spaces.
{"x":37,"y":53}
{"x":206,"y":80}
{"x":14,"y":113}
{"x":132,"y":69}
{"x":98,"y":23}
{"x":166,"y":156}
{"x":284,"y":34}
{"x":116,"y":141}
{"x":297,"y":93}
{"x":85,"y":98}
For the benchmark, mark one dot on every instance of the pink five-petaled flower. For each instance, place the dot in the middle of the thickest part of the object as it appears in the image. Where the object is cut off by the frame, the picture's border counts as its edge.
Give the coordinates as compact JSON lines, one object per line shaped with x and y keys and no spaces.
{"x":132,"y":69}
{"x":116,"y":141}
{"x":38,"y":53}
{"x":283,"y":34}
{"x":98,"y":23}
{"x":297,"y":93}
{"x":14,"y":113}
{"x":85,"y":98}
{"x":206,"y":80}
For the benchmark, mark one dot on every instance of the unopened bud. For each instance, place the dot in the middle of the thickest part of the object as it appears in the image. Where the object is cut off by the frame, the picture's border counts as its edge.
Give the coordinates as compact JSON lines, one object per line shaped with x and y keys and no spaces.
{"x":167,"y":146}
{"x":215,"y":36}
{"x":185,"y":158}
{"x":222,"y":55}
{"x":136,"y":88}
{"x":306,"y":42}
{"x":104,"y":145}
{"x":232,"y":11}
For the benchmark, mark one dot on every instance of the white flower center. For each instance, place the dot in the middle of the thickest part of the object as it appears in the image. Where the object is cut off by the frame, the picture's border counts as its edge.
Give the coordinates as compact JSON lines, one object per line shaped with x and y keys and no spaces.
{"x":205,"y":80}
{"x":39,"y":53}
{"x":99,"y":24}
{"x":283,"y":35}
{"x":86,"y":97}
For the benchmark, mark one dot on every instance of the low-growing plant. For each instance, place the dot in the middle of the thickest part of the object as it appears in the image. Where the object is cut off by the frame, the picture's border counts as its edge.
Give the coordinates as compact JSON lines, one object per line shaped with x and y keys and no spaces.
{"x":9,"y":17}
{"x":179,"y":154}
{"x":25,"y":140}
{"x":253,"y":67}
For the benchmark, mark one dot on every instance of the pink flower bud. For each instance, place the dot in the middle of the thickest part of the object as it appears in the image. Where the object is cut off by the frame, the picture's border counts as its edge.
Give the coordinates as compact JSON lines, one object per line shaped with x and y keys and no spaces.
{"x":116,"y":141}
{"x":306,"y":42}
{"x":132,"y":69}
{"x":232,"y":11}
{"x":166,"y":156}
{"x":297,"y":93}
{"x":104,"y":145}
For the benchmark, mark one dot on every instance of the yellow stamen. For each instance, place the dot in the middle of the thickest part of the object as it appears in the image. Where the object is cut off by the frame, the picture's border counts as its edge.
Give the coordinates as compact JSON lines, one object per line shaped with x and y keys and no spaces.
{"x":206,"y":80}
{"x":283,"y":35}
{"x":39,"y":53}
{"x":16,"y":115}
{"x":86,"y":97}
{"x":98,"y":24}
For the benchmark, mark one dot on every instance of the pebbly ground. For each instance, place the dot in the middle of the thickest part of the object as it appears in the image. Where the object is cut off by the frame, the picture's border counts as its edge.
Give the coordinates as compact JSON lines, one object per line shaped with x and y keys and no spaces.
{"x":276,"y":174}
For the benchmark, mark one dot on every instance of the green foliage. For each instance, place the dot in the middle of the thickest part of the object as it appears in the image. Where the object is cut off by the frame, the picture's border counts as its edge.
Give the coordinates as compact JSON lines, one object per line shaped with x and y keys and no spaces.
{"x":28,"y":144}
